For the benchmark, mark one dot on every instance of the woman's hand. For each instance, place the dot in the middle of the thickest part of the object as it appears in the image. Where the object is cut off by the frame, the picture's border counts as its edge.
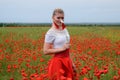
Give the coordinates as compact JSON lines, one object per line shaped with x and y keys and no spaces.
{"x":74,"y":69}
{"x":66,"y":46}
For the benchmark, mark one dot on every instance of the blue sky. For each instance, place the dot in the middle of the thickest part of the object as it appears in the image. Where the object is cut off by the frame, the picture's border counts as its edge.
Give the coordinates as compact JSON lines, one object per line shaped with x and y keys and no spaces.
{"x":76,"y":11}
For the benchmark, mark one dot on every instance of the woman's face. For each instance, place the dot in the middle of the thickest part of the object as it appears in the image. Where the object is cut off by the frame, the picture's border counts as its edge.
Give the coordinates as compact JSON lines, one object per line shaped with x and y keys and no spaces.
{"x":57,"y":18}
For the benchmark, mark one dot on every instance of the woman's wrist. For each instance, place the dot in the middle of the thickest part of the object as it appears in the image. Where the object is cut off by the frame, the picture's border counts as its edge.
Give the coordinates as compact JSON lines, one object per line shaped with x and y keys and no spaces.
{"x":64,"y":48}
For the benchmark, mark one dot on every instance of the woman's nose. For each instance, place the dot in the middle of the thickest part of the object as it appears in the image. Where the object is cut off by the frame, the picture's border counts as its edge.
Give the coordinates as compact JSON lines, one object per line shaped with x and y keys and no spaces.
{"x":61,"y":21}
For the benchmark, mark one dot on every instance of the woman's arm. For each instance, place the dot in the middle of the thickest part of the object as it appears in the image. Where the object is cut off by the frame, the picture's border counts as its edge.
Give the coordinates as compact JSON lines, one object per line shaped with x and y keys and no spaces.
{"x":48,"y":48}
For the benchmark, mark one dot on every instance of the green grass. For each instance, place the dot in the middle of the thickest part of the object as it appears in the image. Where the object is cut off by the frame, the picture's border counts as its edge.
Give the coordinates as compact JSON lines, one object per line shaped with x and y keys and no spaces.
{"x":112,"y":33}
{"x":25,"y":37}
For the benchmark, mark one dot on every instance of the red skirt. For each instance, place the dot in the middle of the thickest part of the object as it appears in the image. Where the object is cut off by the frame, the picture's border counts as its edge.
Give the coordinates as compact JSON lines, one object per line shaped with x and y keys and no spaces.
{"x":60,"y":67}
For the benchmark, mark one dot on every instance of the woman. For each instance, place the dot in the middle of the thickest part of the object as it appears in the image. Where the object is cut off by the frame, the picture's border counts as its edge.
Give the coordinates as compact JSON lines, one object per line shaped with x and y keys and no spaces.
{"x":57,"y":42}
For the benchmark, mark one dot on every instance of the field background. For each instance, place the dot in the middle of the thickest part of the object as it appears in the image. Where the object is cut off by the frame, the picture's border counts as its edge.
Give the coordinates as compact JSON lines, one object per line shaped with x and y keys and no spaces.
{"x":95,"y":51}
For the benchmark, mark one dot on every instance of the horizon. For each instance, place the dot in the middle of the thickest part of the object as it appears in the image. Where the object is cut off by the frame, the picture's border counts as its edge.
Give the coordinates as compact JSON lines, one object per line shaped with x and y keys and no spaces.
{"x":102,"y":23}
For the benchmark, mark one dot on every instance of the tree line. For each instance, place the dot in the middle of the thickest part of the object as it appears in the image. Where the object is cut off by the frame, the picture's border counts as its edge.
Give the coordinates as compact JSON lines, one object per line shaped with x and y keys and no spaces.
{"x":49,"y":24}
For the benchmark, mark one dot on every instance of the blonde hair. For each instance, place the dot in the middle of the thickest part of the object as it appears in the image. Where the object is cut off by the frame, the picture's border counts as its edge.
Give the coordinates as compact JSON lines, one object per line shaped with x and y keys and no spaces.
{"x":58,"y":10}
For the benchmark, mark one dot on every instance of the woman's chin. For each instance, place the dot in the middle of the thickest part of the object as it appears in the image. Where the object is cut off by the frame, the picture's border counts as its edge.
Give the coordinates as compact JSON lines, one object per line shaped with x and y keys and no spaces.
{"x":60,"y":24}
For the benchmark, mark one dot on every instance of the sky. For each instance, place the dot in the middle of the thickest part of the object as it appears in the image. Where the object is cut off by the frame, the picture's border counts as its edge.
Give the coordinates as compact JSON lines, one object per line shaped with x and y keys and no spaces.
{"x":76,"y":11}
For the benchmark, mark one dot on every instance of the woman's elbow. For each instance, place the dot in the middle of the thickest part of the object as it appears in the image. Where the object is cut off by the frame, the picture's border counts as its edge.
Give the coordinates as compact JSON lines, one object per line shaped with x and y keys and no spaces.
{"x":45,"y":52}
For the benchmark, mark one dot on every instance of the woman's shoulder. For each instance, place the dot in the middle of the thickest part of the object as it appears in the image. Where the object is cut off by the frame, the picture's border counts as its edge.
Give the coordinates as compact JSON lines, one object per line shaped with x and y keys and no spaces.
{"x":66,"y":31}
{"x":54,"y":32}
{"x":50,"y":32}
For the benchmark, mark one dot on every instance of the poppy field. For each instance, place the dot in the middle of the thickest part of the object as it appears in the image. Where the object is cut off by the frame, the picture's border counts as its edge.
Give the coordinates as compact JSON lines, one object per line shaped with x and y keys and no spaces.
{"x":95,"y":52}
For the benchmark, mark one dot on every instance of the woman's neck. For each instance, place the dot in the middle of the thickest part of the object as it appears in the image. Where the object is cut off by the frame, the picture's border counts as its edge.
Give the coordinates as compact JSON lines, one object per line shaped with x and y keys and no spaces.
{"x":54,"y":27}
{"x":59,"y":27}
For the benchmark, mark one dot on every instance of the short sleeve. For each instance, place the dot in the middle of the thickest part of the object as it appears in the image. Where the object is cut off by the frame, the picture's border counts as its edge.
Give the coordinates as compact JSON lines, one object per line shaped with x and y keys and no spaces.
{"x":49,"y":38}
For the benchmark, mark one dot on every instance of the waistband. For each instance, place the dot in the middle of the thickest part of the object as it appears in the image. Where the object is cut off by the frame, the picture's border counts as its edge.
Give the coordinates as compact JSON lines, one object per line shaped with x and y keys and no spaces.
{"x":62,"y":54}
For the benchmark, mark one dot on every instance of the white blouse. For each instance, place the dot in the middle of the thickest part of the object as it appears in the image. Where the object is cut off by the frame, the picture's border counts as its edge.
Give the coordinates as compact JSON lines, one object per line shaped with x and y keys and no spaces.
{"x":58,"y":38}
